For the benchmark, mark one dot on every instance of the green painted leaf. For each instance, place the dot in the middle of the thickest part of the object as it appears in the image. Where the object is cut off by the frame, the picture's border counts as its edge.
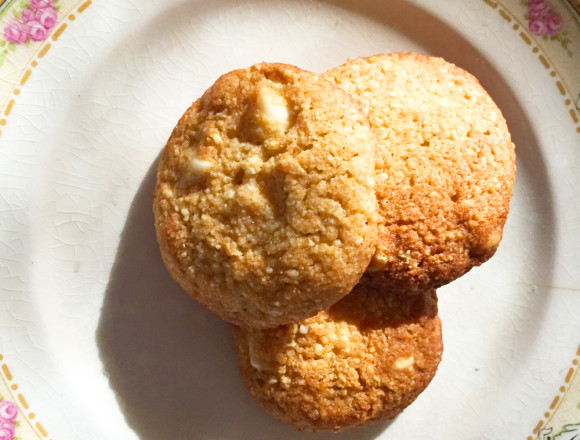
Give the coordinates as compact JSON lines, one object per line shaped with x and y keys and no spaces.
{"x":569,"y":432}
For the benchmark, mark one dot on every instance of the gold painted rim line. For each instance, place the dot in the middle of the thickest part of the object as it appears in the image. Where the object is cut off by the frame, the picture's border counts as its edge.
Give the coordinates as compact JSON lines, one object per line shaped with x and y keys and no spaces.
{"x":37,"y":56}
{"x":32,"y":62}
{"x":544,"y":53}
{"x":572,"y":8}
{"x":556,"y":402}
{"x":547,"y":62}
{"x":39,"y":429}
{"x":543,"y":57}
{"x":568,"y":102}
{"x":21,"y":401}
{"x":503,"y":11}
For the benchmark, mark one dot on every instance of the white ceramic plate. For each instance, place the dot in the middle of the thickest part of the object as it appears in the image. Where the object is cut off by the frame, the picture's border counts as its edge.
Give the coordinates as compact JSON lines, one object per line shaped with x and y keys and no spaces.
{"x":96,"y":340}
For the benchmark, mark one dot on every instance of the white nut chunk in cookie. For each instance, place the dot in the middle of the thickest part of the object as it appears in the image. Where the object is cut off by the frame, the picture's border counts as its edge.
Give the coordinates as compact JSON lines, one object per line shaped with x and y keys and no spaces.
{"x":272,"y":109}
{"x":199,"y":167}
{"x":404,"y":363}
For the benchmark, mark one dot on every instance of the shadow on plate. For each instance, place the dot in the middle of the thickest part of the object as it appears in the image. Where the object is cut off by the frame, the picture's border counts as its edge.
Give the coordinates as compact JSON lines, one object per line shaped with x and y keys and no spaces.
{"x":171,"y":362}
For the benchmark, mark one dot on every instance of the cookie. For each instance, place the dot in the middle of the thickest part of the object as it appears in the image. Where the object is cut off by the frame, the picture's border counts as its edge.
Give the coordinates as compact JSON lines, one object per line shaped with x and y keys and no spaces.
{"x":264,"y":205}
{"x":365,"y":359}
{"x":445,"y":167}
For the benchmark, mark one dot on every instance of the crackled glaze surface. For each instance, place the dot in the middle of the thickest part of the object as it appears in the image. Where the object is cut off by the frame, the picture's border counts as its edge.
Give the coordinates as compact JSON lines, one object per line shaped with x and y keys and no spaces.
{"x":89,"y":93}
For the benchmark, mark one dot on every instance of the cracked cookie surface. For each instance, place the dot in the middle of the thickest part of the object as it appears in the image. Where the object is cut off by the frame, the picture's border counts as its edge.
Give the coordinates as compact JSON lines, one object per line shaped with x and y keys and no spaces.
{"x":264,"y":205}
{"x":365,"y":359}
{"x":445,"y":167}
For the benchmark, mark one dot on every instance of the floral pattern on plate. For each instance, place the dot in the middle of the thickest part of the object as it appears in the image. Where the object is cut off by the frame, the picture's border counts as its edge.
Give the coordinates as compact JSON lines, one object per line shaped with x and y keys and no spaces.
{"x":545,"y":21}
{"x":26,"y":24}
{"x":31,"y":22}
{"x":34,"y":23}
{"x":8,"y":415}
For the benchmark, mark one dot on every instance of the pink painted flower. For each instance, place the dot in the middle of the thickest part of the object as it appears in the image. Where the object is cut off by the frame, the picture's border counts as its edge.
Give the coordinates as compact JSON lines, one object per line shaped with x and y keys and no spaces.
{"x":47,"y":18}
{"x":36,"y":31}
{"x":8,"y":426}
{"x":15,"y":32}
{"x":27,"y":15}
{"x":42,"y":4}
{"x":553,"y":24}
{"x":538,"y":9}
{"x":8,"y":411}
{"x":5,"y":434}
{"x":538,"y":27}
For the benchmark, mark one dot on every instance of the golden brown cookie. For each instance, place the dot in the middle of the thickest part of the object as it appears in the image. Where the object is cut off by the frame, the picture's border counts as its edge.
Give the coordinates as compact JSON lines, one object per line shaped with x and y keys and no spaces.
{"x":264,"y":206}
{"x":365,"y":359}
{"x":445,"y":167}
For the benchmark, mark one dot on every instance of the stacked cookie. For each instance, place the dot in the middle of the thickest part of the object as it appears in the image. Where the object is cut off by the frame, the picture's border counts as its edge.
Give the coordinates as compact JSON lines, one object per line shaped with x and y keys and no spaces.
{"x":319,"y":214}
